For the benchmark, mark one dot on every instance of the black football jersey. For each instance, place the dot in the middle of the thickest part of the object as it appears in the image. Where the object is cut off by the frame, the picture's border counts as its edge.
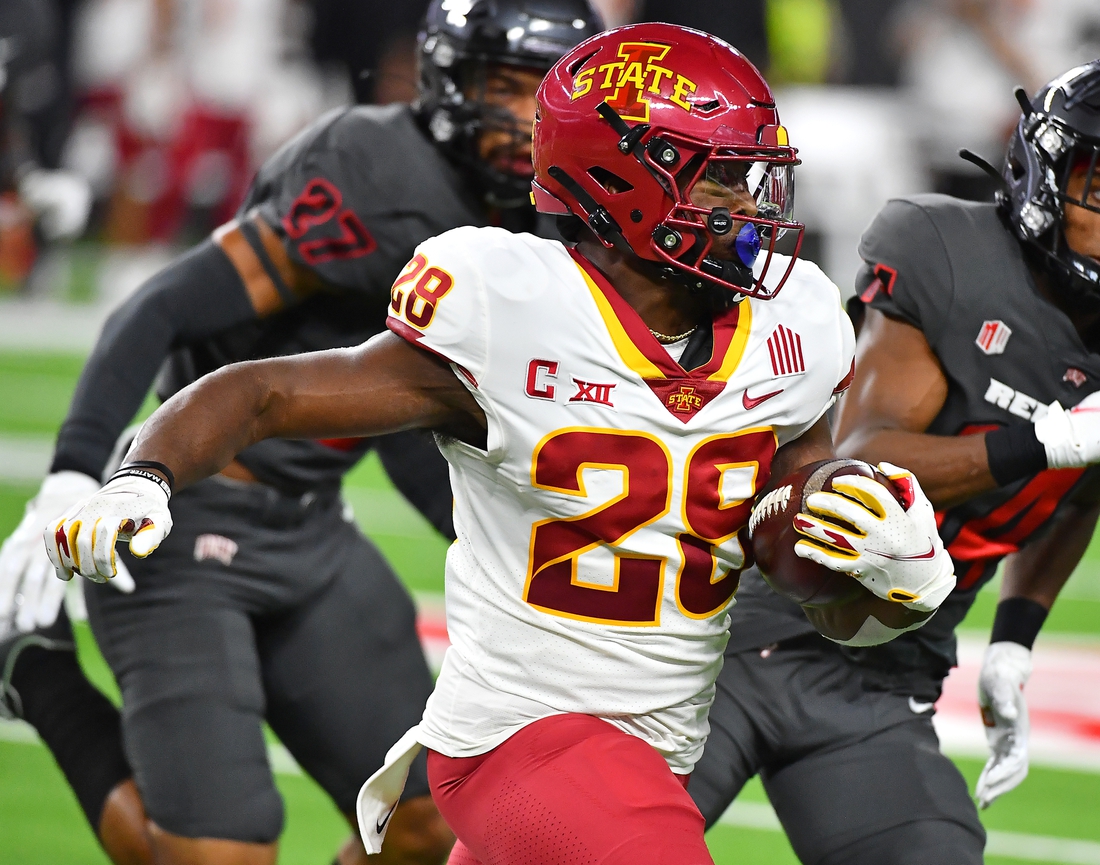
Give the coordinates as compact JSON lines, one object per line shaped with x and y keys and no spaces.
{"x":351,"y":197}
{"x":953,"y":269}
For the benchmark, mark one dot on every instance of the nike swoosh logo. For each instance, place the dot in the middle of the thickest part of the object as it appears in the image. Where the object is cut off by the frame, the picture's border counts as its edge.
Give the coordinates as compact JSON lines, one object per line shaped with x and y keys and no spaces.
{"x":750,"y":402}
{"x":380,"y":825}
{"x":931,"y":554}
{"x":919,"y":708}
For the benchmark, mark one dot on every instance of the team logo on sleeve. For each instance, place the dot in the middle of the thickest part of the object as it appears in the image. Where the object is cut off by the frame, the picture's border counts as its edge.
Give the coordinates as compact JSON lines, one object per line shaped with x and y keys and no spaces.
{"x":993,"y":337}
{"x":1075,"y":377}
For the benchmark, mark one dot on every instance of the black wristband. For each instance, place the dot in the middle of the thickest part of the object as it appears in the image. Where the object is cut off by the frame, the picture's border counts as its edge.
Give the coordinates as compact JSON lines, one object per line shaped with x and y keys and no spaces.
{"x":152,"y":464}
{"x":133,"y":471}
{"x":1014,"y":453}
{"x":1018,"y":620}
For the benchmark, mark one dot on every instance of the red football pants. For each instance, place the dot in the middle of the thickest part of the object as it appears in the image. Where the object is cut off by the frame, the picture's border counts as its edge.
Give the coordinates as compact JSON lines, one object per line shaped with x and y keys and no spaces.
{"x":567,"y":790}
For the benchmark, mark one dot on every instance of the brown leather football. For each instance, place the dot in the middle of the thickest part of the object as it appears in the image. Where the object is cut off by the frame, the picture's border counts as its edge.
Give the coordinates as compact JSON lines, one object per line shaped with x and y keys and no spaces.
{"x":835,"y":603}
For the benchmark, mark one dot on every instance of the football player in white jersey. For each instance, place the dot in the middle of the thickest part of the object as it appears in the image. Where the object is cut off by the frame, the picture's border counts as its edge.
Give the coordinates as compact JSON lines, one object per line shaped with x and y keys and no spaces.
{"x":609,"y":412}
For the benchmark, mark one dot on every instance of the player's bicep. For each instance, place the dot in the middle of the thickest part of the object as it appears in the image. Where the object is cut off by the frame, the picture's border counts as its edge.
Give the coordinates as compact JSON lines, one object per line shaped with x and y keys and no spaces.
{"x":383,"y":386}
{"x":813,"y":445}
{"x":899,"y":385}
{"x":271,"y":279}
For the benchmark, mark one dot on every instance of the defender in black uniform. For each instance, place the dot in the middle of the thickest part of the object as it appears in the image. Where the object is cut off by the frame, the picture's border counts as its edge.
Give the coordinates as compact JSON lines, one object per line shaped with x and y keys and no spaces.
{"x":981,"y":323}
{"x":288,"y":613}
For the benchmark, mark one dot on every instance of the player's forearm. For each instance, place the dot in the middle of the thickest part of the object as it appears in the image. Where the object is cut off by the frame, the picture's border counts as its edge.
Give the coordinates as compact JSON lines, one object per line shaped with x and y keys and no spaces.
{"x":951,"y":469}
{"x":200,"y":430}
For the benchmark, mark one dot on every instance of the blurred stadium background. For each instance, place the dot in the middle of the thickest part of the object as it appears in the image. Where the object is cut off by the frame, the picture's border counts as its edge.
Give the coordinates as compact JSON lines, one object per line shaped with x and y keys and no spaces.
{"x":166,"y":107}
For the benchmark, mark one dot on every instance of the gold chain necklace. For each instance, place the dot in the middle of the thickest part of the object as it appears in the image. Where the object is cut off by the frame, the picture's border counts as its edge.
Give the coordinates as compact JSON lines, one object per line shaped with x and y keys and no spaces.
{"x":666,"y":339}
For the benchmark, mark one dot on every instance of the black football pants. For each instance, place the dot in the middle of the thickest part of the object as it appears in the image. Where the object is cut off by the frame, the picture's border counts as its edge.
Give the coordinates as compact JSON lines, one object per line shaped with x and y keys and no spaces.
{"x":257,"y":607}
{"x":855,"y":776}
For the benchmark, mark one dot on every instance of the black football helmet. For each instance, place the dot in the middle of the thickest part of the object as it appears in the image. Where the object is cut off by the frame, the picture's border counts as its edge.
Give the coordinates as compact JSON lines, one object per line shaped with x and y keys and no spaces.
{"x":1058,"y":134}
{"x":458,"y":42}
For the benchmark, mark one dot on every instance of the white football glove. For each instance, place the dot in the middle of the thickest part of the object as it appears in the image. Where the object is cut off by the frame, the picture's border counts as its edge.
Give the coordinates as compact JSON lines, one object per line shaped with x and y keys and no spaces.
{"x":29,"y":595}
{"x":1071,"y":438}
{"x":60,"y":199}
{"x":1005,"y":671}
{"x":83,"y":540}
{"x":894,"y":552}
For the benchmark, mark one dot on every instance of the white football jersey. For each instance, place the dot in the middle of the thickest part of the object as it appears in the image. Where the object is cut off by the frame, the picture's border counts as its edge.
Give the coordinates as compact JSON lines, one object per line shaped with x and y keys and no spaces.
{"x":598,"y":549}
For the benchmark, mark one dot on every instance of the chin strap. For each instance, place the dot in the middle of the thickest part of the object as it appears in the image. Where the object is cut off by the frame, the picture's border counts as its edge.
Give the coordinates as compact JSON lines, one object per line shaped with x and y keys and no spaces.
{"x":730,"y":271}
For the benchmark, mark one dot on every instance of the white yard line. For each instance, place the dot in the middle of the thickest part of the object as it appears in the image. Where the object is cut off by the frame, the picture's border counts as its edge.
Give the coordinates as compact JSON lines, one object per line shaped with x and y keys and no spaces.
{"x":42,"y":323}
{"x":1010,"y":845}
{"x":19,"y":732}
{"x":24,"y":459}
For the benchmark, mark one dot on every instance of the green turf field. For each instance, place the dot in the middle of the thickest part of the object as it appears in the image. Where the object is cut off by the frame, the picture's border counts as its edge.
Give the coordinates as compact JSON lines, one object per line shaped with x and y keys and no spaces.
{"x":40,"y":823}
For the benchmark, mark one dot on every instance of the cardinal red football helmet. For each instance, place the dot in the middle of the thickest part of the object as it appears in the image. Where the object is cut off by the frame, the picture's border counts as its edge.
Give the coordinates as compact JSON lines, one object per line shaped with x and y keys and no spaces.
{"x":628,"y":123}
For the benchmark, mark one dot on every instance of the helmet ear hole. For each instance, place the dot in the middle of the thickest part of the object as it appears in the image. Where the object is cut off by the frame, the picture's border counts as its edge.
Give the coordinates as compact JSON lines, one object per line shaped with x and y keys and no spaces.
{"x":612,"y":184}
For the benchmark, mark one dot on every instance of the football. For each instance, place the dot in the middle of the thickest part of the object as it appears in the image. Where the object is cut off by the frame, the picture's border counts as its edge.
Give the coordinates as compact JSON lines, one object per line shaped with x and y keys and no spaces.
{"x":835,"y":603}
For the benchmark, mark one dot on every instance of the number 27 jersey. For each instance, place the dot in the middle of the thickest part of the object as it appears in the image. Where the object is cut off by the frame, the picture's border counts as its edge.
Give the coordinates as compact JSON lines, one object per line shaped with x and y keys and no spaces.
{"x":598,"y":547}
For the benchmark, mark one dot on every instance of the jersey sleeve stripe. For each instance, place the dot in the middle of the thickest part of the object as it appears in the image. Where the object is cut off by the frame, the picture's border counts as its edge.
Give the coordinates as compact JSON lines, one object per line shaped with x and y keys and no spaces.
{"x":846,"y":382}
{"x":414,"y":336}
{"x":265,"y":297}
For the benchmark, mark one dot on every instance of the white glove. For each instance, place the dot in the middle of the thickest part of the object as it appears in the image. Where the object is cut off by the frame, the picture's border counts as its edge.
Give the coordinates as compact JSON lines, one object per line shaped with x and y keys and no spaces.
{"x":60,"y":199}
{"x":894,"y":552}
{"x":83,"y":540}
{"x":1005,"y":671}
{"x":1071,"y":438}
{"x":29,"y":596}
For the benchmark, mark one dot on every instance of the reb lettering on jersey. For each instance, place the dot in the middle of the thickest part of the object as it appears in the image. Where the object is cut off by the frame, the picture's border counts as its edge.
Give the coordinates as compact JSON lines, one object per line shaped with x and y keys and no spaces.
{"x":637,"y":72}
{"x":1014,"y":401}
{"x":592,"y":392}
{"x":538,"y":371}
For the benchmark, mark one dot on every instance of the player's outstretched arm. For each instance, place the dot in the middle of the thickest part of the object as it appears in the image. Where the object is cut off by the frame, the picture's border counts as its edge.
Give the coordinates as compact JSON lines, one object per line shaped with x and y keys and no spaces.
{"x":898,"y":391}
{"x":383,"y":386}
{"x":199,"y":294}
{"x":1033,"y":577}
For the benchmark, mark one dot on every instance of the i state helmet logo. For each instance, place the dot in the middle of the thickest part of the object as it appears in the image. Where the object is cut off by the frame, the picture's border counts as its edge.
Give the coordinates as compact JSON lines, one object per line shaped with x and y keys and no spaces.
{"x":993,"y":337}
